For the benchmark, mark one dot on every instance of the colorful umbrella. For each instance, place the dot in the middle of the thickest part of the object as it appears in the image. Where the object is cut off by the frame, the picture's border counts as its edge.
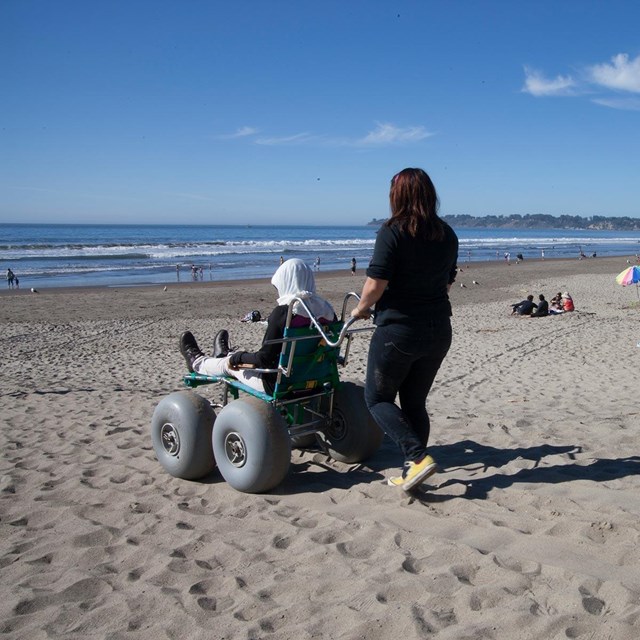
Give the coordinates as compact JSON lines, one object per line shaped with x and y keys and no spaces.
{"x":631,"y":275}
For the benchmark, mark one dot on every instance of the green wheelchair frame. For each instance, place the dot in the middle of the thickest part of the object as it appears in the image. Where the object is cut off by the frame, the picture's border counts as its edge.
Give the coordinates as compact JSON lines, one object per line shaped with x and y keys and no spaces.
{"x":250,"y":439}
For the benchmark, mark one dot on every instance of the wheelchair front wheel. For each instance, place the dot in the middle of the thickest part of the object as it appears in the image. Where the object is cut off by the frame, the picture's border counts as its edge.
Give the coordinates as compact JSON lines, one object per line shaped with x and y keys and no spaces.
{"x":251,"y":444}
{"x":181,"y":434}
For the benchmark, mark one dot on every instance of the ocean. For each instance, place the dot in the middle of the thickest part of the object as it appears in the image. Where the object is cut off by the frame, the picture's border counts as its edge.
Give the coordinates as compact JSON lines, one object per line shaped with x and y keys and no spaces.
{"x":60,"y":255}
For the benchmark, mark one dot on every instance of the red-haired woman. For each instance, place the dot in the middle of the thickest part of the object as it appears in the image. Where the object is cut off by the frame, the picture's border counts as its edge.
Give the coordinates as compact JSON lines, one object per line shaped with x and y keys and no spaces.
{"x":408,"y":281}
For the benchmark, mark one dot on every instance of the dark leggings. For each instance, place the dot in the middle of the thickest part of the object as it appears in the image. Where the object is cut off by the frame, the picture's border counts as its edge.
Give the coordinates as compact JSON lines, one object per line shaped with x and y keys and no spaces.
{"x":404,"y":361}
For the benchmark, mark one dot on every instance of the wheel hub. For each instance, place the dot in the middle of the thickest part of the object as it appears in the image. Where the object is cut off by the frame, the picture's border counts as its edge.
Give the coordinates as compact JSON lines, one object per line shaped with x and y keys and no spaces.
{"x":170,"y":439}
{"x":338,"y":426}
{"x":235,"y":449}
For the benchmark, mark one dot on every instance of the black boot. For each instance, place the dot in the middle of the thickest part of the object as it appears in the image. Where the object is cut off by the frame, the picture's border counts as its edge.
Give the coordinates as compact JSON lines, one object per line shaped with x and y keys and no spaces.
{"x":221,"y":344}
{"x":189,"y":349}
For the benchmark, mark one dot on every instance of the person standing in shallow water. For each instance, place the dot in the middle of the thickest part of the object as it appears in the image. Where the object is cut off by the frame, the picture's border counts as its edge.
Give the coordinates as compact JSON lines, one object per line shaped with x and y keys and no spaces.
{"x":408,"y":280}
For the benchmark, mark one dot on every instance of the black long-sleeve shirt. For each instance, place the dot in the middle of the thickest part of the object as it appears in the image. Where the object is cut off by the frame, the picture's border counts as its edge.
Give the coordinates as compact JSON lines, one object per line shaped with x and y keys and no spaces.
{"x":418,"y":271}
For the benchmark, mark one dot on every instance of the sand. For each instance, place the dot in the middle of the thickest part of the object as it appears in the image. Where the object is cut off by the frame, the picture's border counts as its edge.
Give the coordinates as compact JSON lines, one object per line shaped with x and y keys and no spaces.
{"x":530,"y":530}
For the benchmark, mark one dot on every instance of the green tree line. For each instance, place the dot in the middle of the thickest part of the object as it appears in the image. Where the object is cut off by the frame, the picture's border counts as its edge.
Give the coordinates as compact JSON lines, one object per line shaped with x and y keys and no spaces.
{"x":540,"y":221}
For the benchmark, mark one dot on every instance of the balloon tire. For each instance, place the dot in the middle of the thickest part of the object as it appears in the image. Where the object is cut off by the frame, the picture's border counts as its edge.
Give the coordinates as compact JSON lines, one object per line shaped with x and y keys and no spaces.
{"x":181,"y":429}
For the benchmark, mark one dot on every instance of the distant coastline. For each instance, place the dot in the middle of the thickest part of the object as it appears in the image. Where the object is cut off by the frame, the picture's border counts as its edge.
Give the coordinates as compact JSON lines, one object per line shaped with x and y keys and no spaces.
{"x":539,"y":221}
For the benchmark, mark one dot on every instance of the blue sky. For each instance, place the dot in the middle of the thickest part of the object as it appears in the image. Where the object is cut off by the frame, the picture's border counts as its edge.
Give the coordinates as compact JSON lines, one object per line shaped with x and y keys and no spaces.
{"x":277,"y":112}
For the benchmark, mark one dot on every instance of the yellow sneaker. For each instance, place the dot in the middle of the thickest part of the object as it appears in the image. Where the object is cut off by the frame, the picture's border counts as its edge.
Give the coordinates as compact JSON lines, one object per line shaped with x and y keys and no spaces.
{"x":414,"y":473}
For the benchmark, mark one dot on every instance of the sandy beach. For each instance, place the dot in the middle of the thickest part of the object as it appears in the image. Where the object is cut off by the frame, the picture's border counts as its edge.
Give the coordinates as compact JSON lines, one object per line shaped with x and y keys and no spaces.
{"x":530,"y":530}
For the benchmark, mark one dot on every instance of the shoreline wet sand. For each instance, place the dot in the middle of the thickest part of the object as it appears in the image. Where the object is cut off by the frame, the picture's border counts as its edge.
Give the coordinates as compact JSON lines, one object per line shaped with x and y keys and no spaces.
{"x":530,"y":529}
{"x":494,"y":279}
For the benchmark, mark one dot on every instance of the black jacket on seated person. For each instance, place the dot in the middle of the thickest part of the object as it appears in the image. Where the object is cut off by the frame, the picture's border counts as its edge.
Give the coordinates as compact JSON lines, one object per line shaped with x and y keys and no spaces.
{"x":542,"y":310}
{"x":525,"y":307}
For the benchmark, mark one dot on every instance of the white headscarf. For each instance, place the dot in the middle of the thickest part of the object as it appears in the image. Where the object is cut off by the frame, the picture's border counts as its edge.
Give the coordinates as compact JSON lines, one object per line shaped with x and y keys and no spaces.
{"x":294,"y":279}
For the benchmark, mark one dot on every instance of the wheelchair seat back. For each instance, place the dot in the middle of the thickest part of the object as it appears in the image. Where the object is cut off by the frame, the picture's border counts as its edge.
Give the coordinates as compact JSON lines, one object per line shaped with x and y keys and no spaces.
{"x":314,"y":364}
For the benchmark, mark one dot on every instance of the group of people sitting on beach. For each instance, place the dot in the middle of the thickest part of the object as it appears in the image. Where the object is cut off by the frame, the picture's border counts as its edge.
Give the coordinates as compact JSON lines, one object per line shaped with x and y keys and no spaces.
{"x":560,"y":303}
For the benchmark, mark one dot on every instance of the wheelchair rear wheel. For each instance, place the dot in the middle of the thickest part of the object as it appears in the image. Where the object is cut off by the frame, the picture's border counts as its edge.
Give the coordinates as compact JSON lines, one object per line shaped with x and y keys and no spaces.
{"x":352,"y":435}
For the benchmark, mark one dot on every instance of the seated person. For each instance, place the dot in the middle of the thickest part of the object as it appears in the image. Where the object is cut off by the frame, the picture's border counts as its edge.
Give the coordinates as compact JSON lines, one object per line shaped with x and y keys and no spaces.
{"x":556,"y":305}
{"x":292,"y":279}
{"x":567,"y":302}
{"x":525,"y":307}
{"x":543,"y":308}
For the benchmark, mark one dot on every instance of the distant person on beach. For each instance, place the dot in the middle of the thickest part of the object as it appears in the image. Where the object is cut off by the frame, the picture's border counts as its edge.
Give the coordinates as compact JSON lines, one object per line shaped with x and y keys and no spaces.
{"x":507,"y":257}
{"x":556,"y":306}
{"x":542,"y":253}
{"x":567,"y":302}
{"x":292,"y":279}
{"x":17,"y":282}
{"x":408,"y":280}
{"x":317,"y":264}
{"x":353,"y":266}
{"x":281,"y":259}
{"x":524,"y":308}
{"x":10,"y":278}
{"x":543,"y":308}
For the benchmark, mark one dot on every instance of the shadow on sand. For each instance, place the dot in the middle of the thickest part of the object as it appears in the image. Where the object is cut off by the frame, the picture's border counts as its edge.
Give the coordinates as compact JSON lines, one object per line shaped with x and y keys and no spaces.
{"x":469,"y":455}
{"x":314,"y":472}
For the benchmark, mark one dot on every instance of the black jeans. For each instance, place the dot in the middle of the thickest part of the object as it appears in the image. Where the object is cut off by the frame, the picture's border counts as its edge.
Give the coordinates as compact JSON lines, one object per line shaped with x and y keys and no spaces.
{"x":404,"y":360}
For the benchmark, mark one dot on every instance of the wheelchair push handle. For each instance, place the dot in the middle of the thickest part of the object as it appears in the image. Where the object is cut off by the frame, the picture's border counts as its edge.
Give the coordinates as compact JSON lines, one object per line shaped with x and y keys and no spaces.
{"x":346,"y":328}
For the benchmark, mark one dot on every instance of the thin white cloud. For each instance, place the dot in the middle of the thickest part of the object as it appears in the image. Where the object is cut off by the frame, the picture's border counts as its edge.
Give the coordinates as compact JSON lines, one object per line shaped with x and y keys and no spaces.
{"x":624,"y":104}
{"x":389,"y":134}
{"x":384,"y":134}
{"x":537,"y":85}
{"x":298,"y":138}
{"x":242,"y":132}
{"x":622,"y":74}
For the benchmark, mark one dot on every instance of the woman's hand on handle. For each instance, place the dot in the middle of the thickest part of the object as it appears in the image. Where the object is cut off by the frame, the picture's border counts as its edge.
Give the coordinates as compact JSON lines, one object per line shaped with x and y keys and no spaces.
{"x":361,"y":314}
{"x":371,"y":292}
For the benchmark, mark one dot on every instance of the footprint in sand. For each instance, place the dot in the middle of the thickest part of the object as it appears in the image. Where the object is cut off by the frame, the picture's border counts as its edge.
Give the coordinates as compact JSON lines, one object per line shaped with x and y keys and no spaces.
{"x":324,"y":537}
{"x":591,"y":603}
{"x":81,"y":592}
{"x":207,"y":603}
{"x":413,"y":565}
{"x":422,"y":626}
{"x":134,"y":575}
{"x":599,"y":531}
{"x":281,"y":542}
{"x":359,"y":551}
{"x":98,"y":538}
{"x":465,"y":574}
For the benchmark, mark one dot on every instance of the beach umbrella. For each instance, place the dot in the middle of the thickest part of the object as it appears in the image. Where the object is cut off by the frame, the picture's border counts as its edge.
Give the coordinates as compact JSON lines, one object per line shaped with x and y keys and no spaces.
{"x":631,"y":275}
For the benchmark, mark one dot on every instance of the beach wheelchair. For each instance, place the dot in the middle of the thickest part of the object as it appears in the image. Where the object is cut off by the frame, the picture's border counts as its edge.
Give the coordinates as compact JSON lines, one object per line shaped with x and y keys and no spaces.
{"x":251,"y":436}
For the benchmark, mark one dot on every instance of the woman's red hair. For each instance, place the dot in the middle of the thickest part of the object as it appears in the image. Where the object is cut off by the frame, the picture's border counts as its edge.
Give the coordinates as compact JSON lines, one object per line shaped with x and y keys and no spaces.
{"x":414,"y":204}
